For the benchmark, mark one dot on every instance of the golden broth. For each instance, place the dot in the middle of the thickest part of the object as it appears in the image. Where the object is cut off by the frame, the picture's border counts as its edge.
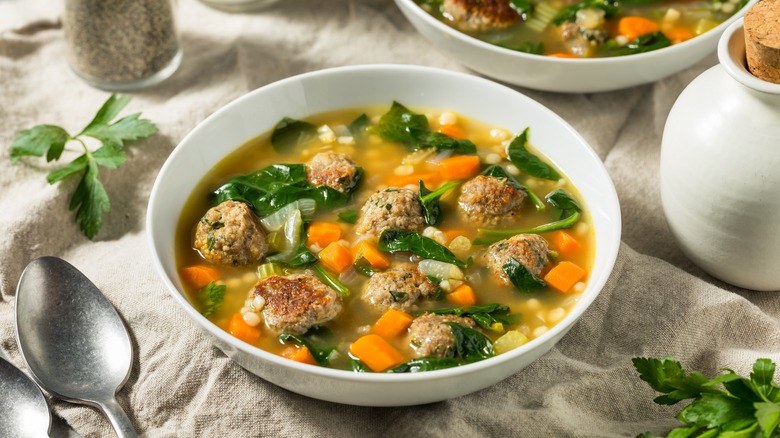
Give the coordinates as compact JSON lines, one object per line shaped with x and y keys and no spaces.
{"x":381,"y":160}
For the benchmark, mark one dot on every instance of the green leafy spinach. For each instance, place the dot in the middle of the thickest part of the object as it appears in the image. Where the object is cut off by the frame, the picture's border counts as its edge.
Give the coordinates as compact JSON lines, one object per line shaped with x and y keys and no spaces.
{"x":277,"y":185}
{"x":402,"y":125}
{"x":210,"y":298}
{"x":410,"y":241}
{"x":430,"y":200}
{"x":529,"y":163}
{"x":289,"y":133}
{"x":520,"y":277}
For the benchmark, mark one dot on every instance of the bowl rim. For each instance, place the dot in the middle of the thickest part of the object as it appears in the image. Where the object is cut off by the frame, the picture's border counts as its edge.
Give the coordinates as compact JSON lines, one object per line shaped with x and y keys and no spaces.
{"x":595,"y":285}
{"x":501,"y":51}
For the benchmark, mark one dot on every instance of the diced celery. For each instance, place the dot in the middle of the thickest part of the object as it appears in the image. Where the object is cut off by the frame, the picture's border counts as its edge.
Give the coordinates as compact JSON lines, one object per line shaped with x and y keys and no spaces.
{"x":268,"y":269}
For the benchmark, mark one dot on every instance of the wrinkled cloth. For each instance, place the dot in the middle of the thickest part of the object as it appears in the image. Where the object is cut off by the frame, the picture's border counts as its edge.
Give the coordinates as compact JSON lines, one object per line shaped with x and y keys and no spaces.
{"x":656,"y":302}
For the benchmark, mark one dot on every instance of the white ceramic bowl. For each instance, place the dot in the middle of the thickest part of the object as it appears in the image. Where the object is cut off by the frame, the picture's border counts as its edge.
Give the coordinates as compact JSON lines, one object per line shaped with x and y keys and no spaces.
{"x":349,"y":87}
{"x":563,"y":74}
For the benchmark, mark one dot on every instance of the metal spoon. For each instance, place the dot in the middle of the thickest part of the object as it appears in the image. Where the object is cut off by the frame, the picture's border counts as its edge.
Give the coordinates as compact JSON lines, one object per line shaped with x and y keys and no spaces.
{"x":23,"y":408}
{"x":74,"y":342}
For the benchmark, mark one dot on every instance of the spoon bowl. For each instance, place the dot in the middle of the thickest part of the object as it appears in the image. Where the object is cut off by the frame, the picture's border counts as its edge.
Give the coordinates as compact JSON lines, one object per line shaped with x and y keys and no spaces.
{"x":23,"y":408}
{"x":73,"y":340}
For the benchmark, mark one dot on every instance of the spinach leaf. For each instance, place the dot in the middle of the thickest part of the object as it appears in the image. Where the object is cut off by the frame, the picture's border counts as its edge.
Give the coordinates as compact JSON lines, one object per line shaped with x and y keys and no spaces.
{"x":430,"y":200}
{"x":470,"y":345}
{"x":569,"y":13}
{"x":359,"y":127}
{"x":358,"y":366}
{"x":410,"y":241}
{"x":210,"y":297}
{"x":348,"y":216}
{"x":301,"y":257}
{"x":425,"y":364}
{"x":528,"y":47}
{"x":321,"y":354}
{"x":402,"y":125}
{"x":643,"y":43}
{"x":289,"y":133}
{"x":331,"y":281}
{"x":522,"y":7}
{"x":488,"y":236}
{"x":489,"y":316}
{"x":497,"y":171}
{"x":561,"y":200}
{"x":569,"y":214}
{"x":528,"y":162}
{"x":363,"y":267}
{"x":277,"y":185}
{"x":521,"y":278}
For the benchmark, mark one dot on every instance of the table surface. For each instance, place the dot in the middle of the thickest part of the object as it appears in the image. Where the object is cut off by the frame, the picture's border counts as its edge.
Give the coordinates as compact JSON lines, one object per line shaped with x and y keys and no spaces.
{"x":656,"y":303}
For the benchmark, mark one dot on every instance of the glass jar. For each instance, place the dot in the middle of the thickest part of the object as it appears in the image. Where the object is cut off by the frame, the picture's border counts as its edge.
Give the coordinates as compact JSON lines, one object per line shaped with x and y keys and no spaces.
{"x":122,"y":45}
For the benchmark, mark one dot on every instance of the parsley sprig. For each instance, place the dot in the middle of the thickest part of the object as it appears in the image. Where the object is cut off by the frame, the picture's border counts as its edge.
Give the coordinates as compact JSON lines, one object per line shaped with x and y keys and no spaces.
{"x":744,"y":407}
{"x":90,"y":199}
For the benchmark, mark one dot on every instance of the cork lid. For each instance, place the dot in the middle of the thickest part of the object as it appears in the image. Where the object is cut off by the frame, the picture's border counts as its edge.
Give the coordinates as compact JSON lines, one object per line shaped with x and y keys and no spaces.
{"x":762,"y":40}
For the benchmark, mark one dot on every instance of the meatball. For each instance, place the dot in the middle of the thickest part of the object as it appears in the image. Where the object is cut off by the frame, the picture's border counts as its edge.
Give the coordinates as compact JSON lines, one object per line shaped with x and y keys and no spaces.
{"x":480,"y":15}
{"x":398,"y":288}
{"x":430,"y":337}
{"x":295,"y":303}
{"x":528,"y":249}
{"x":230,"y":234}
{"x":333,"y":169}
{"x":388,"y":209}
{"x":487,"y":199}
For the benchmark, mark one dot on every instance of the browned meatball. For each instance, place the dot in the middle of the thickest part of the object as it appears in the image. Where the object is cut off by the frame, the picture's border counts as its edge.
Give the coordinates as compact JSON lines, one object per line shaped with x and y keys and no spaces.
{"x":528,"y":249}
{"x":333,"y":169}
{"x":295,"y":303}
{"x":487,"y":199}
{"x":430,"y":337}
{"x":398,"y":288}
{"x":230,"y":234}
{"x":388,"y":209}
{"x":480,"y":15}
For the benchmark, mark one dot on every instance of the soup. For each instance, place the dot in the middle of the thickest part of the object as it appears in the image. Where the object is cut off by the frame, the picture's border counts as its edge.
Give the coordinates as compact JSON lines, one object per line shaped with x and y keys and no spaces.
{"x":385,"y":240}
{"x":583,"y":29}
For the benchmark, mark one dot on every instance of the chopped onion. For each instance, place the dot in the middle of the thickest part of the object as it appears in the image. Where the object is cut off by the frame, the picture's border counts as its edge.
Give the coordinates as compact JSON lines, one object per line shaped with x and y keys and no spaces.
{"x":277,"y":219}
{"x":509,"y":341}
{"x":440,"y":270}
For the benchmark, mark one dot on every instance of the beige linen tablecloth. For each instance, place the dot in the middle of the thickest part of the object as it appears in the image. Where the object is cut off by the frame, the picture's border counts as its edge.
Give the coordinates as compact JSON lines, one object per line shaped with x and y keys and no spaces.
{"x":656,"y":303}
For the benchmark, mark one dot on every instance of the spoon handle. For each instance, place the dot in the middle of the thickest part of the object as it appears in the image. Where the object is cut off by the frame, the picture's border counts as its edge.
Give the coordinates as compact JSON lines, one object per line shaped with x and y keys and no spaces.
{"x":118,"y":418}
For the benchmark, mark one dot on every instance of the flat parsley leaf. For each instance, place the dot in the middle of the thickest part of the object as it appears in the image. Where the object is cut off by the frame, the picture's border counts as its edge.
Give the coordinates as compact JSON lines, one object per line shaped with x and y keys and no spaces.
{"x":747,"y":407}
{"x":210,"y":297}
{"x":90,"y":199}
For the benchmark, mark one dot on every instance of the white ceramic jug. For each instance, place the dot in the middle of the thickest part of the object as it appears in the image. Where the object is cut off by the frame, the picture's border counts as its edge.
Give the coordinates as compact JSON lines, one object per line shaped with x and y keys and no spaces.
{"x":720,"y":170}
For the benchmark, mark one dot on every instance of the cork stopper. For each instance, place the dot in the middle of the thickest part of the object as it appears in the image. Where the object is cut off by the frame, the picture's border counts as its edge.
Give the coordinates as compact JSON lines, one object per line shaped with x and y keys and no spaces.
{"x":762,"y":40}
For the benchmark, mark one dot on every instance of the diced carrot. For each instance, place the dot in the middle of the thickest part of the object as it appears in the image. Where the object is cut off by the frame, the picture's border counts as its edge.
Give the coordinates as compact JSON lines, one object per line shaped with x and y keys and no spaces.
{"x":462,"y":296}
{"x":564,"y":276}
{"x":563,"y":55}
{"x":678,"y":34}
{"x":451,"y":234}
{"x":322,"y":233}
{"x":459,"y":167}
{"x":392,"y":323}
{"x":429,"y":178}
{"x":242,"y":330}
{"x":373,"y":256}
{"x":632,"y":27}
{"x":199,"y":275}
{"x":376,"y":353}
{"x":452,"y":131}
{"x":336,"y":257}
{"x":299,"y":354}
{"x":565,"y":244}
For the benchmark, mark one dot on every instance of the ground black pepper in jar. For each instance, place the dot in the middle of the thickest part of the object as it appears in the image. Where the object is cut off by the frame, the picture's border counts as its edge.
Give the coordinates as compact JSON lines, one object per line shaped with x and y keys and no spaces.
{"x":122,"y":44}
